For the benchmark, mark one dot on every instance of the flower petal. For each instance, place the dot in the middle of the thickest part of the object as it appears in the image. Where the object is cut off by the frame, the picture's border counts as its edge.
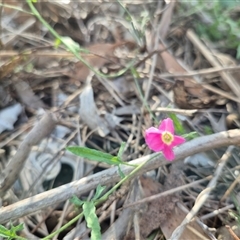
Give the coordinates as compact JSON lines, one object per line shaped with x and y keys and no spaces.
{"x":177,"y":140}
{"x":152,"y":130}
{"x":168,"y":153}
{"x":153,"y":139}
{"x":167,"y":125}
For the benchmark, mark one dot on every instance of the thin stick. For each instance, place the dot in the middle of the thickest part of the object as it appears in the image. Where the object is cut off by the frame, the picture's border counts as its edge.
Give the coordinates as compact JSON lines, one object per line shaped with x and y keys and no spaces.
{"x":201,"y":72}
{"x":111,"y":176}
{"x":232,"y":233}
{"x":203,"y":196}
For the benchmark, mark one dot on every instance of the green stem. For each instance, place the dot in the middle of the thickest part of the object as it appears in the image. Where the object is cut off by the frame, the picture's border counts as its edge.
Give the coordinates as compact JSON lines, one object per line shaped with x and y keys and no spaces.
{"x":134,"y":73}
{"x":50,"y":236}
{"x":130,"y":175}
{"x":20,"y":238}
{"x":77,"y":55}
{"x":132,"y":22}
{"x":71,"y":48}
{"x":103,"y":198}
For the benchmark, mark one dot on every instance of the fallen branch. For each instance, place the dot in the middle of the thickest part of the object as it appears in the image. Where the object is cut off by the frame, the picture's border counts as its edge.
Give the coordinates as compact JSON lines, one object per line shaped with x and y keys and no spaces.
{"x":10,"y":174}
{"x":111,"y":175}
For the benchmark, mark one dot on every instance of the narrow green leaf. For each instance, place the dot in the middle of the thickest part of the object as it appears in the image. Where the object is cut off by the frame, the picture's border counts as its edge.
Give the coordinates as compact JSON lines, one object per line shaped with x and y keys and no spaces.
{"x":190,"y":135}
{"x":57,"y":42}
{"x":135,"y":72}
{"x":238,"y":52}
{"x":4,"y":232}
{"x":177,"y":124}
{"x":76,"y":201}
{"x":116,"y":160}
{"x":12,"y":232}
{"x":99,"y":191}
{"x":89,"y":211}
{"x":19,"y":227}
{"x":208,"y":130}
{"x":121,"y":150}
{"x":72,"y":45}
{"x":93,"y":155}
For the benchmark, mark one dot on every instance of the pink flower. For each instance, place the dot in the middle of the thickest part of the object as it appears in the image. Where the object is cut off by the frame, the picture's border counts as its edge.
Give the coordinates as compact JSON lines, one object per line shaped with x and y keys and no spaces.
{"x":163,"y":138}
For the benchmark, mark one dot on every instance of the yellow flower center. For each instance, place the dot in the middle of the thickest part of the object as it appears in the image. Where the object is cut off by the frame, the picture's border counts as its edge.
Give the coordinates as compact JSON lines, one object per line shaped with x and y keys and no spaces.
{"x":167,"y":138}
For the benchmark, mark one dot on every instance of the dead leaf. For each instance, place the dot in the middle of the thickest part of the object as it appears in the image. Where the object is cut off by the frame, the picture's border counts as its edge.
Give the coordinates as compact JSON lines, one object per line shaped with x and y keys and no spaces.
{"x":166,"y":19}
{"x":112,"y":120}
{"x":188,"y":93}
{"x":174,"y":219}
{"x":211,"y":58}
{"x":156,"y":212}
{"x":192,"y":97}
{"x":100,"y":54}
{"x":89,"y":113}
{"x":163,"y":212}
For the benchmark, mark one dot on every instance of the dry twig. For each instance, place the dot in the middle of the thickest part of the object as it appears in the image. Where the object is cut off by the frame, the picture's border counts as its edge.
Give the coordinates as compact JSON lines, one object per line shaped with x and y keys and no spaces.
{"x":110,"y":176}
{"x":203,"y":196}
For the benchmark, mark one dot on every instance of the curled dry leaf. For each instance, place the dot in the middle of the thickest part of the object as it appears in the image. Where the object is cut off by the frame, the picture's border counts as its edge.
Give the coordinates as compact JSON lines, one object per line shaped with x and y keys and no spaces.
{"x":188,"y":93}
{"x":192,"y":95}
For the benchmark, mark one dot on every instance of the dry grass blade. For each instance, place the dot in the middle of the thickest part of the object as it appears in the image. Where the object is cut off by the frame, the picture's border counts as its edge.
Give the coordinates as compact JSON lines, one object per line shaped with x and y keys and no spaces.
{"x":231,"y":82}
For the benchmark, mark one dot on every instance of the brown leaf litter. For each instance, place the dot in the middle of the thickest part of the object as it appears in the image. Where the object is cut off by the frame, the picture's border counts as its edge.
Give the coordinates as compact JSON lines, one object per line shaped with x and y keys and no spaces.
{"x":99,"y":55}
{"x":188,"y":93}
{"x":162,"y":212}
{"x":54,"y":71}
